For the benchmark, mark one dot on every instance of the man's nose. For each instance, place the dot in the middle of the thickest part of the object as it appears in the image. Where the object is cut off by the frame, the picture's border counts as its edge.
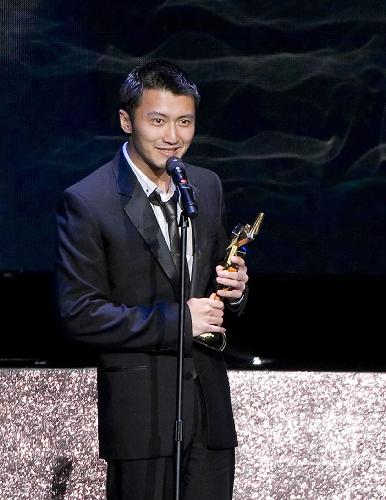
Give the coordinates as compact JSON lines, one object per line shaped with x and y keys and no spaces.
{"x":170,"y":135}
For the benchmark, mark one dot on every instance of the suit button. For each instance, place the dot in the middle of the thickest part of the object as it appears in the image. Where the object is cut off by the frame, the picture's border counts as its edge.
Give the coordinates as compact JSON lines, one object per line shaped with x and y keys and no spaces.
{"x":188,"y":376}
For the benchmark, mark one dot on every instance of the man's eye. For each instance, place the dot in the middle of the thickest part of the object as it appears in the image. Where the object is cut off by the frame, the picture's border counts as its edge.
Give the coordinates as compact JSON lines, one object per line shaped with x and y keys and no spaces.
{"x":185,"y":122}
{"x":158,"y":121}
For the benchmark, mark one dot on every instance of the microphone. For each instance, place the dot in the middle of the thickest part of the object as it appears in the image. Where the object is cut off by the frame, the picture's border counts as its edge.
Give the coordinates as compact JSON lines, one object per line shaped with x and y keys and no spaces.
{"x":176,"y":169}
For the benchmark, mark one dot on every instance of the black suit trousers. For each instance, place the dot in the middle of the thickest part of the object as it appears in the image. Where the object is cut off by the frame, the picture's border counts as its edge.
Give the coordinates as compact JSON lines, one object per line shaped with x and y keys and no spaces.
{"x":206,"y":474}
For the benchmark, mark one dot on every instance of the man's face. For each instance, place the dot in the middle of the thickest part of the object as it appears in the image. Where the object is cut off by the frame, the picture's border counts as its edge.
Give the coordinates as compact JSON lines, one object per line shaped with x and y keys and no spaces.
{"x":162,"y":126}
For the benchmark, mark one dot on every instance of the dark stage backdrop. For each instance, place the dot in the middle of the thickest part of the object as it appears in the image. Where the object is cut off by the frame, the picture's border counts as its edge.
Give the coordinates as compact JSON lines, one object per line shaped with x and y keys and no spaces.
{"x":292,"y":119}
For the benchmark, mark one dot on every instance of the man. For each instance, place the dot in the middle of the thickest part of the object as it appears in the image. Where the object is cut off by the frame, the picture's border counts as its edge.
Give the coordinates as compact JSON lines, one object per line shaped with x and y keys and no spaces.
{"x":118,"y":291}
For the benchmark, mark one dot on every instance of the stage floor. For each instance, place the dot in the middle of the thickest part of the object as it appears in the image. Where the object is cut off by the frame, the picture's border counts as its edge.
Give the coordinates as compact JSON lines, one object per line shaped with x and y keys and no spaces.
{"x":302,"y":435}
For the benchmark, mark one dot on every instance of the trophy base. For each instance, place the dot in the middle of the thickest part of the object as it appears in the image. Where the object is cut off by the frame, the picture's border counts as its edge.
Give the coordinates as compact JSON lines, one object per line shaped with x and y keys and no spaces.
{"x":216,"y":341}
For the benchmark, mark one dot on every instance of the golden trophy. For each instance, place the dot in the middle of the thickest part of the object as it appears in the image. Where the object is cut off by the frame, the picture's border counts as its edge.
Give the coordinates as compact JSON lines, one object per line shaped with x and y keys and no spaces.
{"x":241,"y":236}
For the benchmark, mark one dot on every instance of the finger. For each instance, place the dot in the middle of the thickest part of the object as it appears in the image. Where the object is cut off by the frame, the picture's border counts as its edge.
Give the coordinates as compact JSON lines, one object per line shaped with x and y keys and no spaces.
{"x":216,"y":304}
{"x":238,"y":276}
{"x":226,"y":283}
{"x":217,"y":313}
{"x":215,"y":320}
{"x":231,"y":294}
{"x":228,"y":276}
{"x":215,"y":329}
{"x":233,"y":284}
{"x":235,"y":275}
{"x":238,"y":260}
{"x":225,"y":272}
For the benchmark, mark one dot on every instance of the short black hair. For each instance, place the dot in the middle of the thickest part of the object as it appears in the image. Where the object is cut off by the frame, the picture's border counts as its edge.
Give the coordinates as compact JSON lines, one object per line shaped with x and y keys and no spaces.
{"x":156,"y":74}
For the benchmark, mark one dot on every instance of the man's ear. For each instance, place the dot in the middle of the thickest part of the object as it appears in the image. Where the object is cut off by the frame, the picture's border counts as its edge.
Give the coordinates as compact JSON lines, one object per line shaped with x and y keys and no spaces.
{"x":125,"y":121}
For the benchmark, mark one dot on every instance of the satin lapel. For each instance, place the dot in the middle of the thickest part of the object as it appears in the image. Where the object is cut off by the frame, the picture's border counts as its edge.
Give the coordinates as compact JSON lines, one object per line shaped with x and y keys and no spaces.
{"x":142,"y":216}
{"x":138,"y":209}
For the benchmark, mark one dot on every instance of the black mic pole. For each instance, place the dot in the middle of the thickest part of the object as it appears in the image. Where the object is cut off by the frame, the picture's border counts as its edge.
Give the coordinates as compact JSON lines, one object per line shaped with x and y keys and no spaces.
{"x":179,"y":426}
{"x":176,"y":169}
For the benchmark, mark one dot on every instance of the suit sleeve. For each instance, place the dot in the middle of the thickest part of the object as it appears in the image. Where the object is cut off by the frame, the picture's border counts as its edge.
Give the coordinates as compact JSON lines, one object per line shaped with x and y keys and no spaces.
{"x":87,"y":311}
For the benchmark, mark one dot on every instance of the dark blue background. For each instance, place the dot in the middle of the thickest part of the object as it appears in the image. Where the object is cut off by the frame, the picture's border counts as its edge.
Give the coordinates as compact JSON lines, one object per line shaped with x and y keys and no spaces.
{"x":292,"y":119}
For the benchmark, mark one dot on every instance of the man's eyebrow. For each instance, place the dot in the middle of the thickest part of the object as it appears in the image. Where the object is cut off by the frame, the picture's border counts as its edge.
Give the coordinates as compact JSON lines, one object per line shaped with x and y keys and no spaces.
{"x":158,"y":113}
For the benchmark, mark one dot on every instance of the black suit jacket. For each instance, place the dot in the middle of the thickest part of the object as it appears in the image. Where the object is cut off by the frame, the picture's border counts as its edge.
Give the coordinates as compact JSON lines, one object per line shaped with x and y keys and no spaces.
{"x":118,"y":292}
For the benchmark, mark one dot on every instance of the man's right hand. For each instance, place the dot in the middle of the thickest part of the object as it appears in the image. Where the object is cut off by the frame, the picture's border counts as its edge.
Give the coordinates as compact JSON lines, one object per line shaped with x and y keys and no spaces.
{"x":207,"y":315}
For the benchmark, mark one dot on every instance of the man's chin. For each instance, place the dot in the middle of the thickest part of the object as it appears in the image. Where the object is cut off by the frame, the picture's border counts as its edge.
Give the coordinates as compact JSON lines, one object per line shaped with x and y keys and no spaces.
{"x":161,"y":164}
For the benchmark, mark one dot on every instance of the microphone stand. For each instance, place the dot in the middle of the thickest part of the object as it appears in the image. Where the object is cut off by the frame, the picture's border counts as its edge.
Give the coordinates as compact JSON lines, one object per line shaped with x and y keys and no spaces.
{"x":179,"y":424}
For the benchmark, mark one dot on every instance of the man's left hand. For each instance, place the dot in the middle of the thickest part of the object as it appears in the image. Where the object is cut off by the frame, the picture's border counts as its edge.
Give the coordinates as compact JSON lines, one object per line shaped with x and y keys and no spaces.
{"x":236,"y":280}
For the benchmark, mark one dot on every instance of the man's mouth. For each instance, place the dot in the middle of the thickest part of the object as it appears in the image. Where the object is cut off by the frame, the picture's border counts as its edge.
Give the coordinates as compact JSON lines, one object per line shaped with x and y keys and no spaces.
{"x":168,"y":151}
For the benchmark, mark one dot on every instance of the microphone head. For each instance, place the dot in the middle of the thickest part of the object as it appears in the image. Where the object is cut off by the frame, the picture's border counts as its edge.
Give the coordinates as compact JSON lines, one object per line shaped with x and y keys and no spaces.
{"x":176,"y":169}
{"x":172,"y":163}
